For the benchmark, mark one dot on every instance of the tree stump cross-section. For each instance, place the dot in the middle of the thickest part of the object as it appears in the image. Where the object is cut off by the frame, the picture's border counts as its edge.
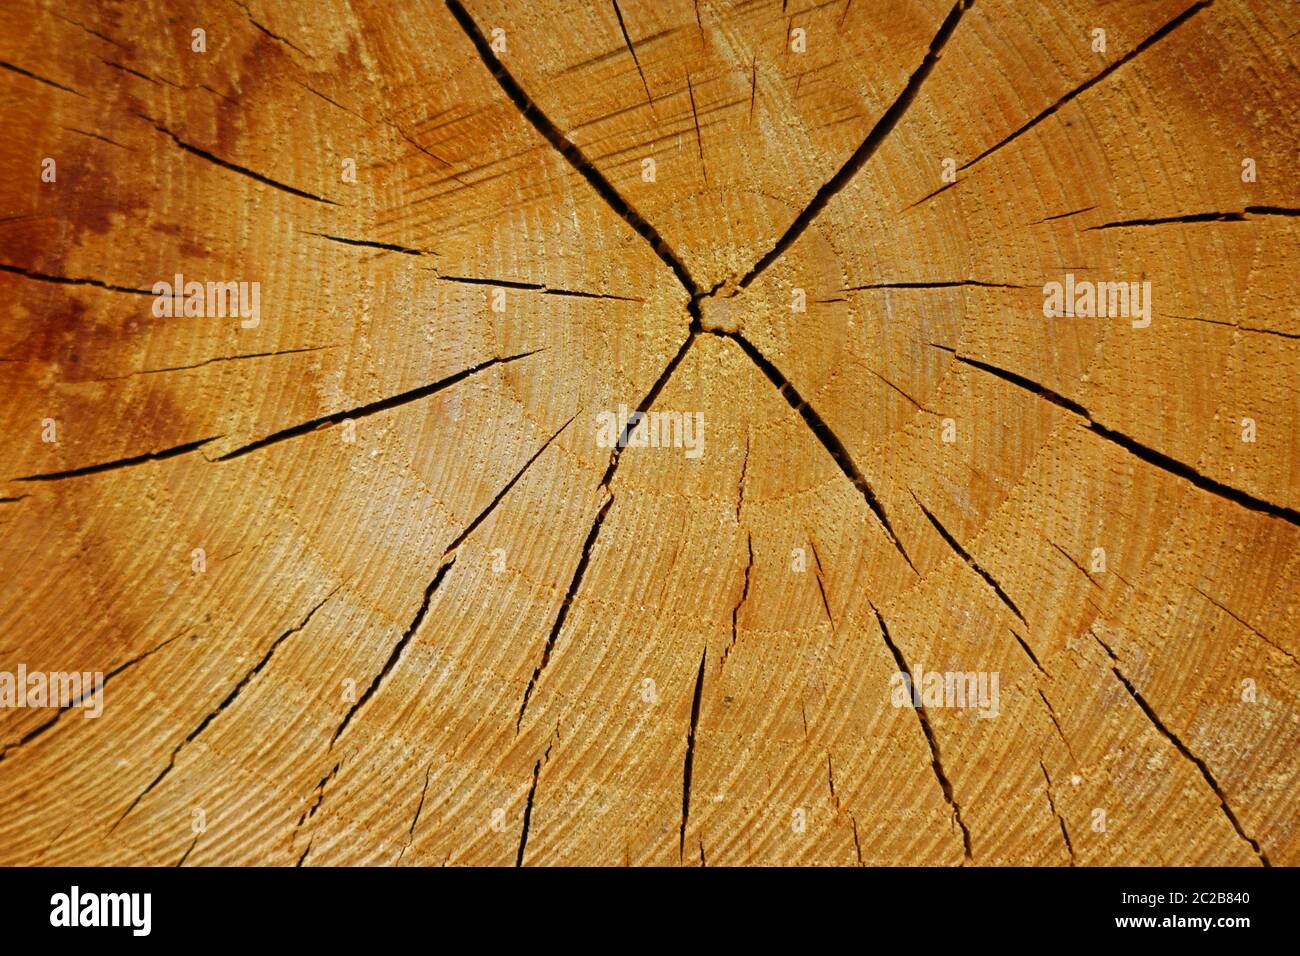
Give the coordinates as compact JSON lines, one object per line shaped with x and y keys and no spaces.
{"x":721,"y":432}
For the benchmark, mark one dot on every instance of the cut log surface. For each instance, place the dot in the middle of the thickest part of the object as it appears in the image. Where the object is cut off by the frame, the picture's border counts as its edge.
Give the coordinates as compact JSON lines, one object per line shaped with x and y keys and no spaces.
{"x":363,"y":575}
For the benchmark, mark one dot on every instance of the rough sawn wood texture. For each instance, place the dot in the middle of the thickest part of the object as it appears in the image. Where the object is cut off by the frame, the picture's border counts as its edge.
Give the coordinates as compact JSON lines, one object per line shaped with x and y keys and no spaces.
{"x":436,"y":622}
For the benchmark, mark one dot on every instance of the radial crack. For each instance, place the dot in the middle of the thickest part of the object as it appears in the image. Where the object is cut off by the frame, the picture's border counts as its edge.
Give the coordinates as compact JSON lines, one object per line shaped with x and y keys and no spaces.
{"x":1029,"y":652}
{"x":537,"y":287}
{"x":42,"y":728}
{"x":1063,"y":215}
{"x":89,"y":30}
{"x":1183,"y":749}
{"x":241,"y":170}
{"x":821,"y":585}
{"x":419,"y":808}
{"x":1150,"y":41}
{"x":396,"y":653}
{"x":71,"y":280}
{"x":447,"y":560}
{"x":1082,"y":569}
{"x":274,"y":36}
{"x":919,"y":407}
{"x":888,"y":120}
{"x":40,"y":79}
{"x":1233,"y":325}
{"x":213,"y":361}
{"x":427,"y":152}
{"x":528,"y":807}
{"x":689,"y":760}
{"x":591,"y":295}
{"x":102,"y":139}
{"x":631,"y":49}
{"x":1277,"y":647}
{"x":319,"y":791}
{"x":230,"y":698}
{"x":310,"y":811}
{"x":944,"y":784}
{"x":1242,"y":216}
{"x":634,"y":421}
{"x":491,"y":505}
{"x":594,"y":532}
{"x":132,"y":72}
{"x":945,"y":284}
{"x":121,"y":462}
{"x":753,"y":87}
{"x":974,"y":565}
{"x":822,"y":431}
{"x":567,"y":603}
{"x":567,"y":148}
{"x":186,"y":855}
{"x":740,"y":489}
{"x":1051,"y":712}
{"x":1131,"y":445}
{"x":504,"y":283}
{"x":370,"y":244}
{"x":928,"y":196}
{"x":371,"y":408}
{"x":744,"y":596}
{"x":1051,"y":802}
{"x":699,"y":140}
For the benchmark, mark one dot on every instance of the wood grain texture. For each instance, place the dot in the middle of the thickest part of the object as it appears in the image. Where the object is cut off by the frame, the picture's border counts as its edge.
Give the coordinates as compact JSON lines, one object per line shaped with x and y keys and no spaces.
{"x":438,"y":623}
